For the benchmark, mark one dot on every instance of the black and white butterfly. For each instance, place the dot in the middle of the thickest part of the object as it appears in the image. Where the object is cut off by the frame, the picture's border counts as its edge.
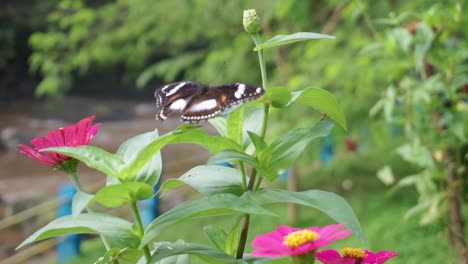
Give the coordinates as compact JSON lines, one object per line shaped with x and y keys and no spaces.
{"x":197,"y":102}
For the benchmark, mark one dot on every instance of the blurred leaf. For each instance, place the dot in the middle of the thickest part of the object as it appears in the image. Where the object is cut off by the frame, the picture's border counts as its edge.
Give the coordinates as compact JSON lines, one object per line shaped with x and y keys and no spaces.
{"x":280,"y":155}
{"x":232,"y":240}
{"x":252,"y":123}
{"x":286,"y":39}
{"x":119,"y":194}
{"x":329,"y":203}
{"x":93,"y":157}
{"x":113,"y":228}
{"x":278,"y":96}
{"x":218,"y":204}
{"x":208,"y":180}
{"x":216,"y":235}
{"x":230,"y":155}
{"x":151,"y":171}
{"x":234,"y":123}
{"x":220,"y":124}
{"x":323,"y":101}
{"x":80,"y":201}
{"x":165,"y":249}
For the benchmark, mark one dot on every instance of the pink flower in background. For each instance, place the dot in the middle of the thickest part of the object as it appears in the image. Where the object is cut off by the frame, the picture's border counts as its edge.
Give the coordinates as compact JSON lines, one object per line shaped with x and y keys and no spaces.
{"x":290,"y":241}
{"x":354,"y":256}
{"x":75,"y":135}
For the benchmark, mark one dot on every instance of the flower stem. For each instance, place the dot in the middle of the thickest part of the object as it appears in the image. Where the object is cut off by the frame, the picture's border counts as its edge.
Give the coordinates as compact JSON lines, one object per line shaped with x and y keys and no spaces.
{"x":244,"y":177}
{"x":253,"y":183}
{"x":141,"y":230}
{"x":79,"y":187}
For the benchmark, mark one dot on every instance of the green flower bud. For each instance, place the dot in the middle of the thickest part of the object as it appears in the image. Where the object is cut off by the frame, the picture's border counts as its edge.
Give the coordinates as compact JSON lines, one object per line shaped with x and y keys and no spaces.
{"x":251,"y":21}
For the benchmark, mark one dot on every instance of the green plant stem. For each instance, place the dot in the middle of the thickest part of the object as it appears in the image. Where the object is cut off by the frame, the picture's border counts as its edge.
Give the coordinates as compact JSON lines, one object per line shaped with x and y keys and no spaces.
{"x":141,"y":230}
{"x":79,"y":187}
{"x":253,"y":184}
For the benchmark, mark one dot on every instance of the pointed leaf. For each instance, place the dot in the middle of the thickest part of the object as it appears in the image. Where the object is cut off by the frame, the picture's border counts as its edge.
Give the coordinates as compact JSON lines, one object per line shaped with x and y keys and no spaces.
{"x":279,"y":97}
{"x":216,"y":235}
{"x":212,"y":143}
{"x":252,"y":123}
{"x":165,"y":249}
{"x":119,"y":194}
{"x":151,"y":171}
{"x":234,"y":124}
{"x":258,"y":142}
{"x":93,"y":157}
{"x":114,"y":228}
{"x":329,"y":203}
{"x":322,"y":101}
{"x":234,"y":155}
{"x":280,"y":155}
{"x":218,"y":204}
{"x":219,"y":123}
{"x":208,"y":180}
{"x":80,"y":202}
{"x":232,"y":240}
{"x":286,"y":39}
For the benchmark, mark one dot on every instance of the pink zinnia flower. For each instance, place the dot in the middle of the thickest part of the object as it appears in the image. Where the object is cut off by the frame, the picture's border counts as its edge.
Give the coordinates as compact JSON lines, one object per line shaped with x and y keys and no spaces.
{"x":69,"y":136}
{"x":354,"y":256}
{"x":290,"y":241}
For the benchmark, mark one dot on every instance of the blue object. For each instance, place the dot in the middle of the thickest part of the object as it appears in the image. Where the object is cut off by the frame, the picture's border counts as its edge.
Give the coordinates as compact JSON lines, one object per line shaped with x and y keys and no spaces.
{"x":149,"y":209}
{"x":226,"y":164}
{"x":328,"y":150}
{"x":67,"y":246}
{"x":284,"y":176}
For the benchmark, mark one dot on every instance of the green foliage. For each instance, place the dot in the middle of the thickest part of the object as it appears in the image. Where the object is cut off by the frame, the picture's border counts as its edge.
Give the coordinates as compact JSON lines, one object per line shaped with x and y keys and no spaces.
{"x":136,"y":167}
{"x":118,"y":230}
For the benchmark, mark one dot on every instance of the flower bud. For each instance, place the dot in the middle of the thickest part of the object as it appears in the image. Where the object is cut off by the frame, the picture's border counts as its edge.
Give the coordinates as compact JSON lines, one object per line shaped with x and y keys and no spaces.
{"x":251,"y":21}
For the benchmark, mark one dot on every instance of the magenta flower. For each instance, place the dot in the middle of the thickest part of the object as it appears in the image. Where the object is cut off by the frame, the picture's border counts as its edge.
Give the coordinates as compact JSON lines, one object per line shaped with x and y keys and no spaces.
{"x":290,"y":241}
{"x":354,"y":256}
{"x":70,"y":136}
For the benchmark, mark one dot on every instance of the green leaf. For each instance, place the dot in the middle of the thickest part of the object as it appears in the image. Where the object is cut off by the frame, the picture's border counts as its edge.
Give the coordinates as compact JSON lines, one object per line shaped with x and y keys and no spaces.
{"x":116,"y":229}
{"x":279,"y":97}
{"x":229,"y":155}
{"x":212,"y":143}
{"x":280,"y":155}
{"x":137,"y":162}
{"x":234,"y":124}
{"x":151,"y":171}
{"x":93,"y":157}
{"x":119,"y":194}
{"x":258,"y":142}
{"x":286,"y":39}
{"x":216,"y":235}
{"x":80,"y":201}
{"x":218,"y":204}
{"x":232,"y":240}
{"x":165,"y":249}
{"x":252,"y":123}
{"x":329,"y":203}
{"x":219,"y":123}
{"x":323,"y":101}
{"x":127,"y":254}
{"x":208,"y":180}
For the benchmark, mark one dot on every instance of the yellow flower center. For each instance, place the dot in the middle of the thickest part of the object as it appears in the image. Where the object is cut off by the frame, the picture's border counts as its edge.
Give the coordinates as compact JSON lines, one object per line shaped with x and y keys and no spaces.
{"x":355,"y":253}
{"x":299,"y":238}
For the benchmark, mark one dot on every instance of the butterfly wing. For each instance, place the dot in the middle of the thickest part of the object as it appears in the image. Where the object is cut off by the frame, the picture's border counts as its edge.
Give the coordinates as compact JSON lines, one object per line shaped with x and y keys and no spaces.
{"x":219,"y":99}
{"x":175,"y":96}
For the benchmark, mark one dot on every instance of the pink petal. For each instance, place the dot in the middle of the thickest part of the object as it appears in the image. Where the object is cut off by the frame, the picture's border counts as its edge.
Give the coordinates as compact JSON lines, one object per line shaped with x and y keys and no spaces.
{"x":380,"y":257}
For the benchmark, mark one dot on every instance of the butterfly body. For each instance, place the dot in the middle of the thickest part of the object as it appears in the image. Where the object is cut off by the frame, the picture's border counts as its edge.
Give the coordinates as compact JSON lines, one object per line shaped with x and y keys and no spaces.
{"x":197,"y":102}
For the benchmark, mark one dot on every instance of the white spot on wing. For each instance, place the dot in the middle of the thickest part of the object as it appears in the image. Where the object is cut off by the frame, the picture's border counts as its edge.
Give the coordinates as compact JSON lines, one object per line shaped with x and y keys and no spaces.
{"x":205,"y":105}
{"x":237,"y":95}
{"x":178,"y":105}
{"x":258,"y":90}
{"x":175,"y":89}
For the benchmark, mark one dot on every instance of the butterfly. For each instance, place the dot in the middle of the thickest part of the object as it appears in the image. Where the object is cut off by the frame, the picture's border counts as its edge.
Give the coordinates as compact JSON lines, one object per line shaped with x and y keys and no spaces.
{"x":197,"y":102}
